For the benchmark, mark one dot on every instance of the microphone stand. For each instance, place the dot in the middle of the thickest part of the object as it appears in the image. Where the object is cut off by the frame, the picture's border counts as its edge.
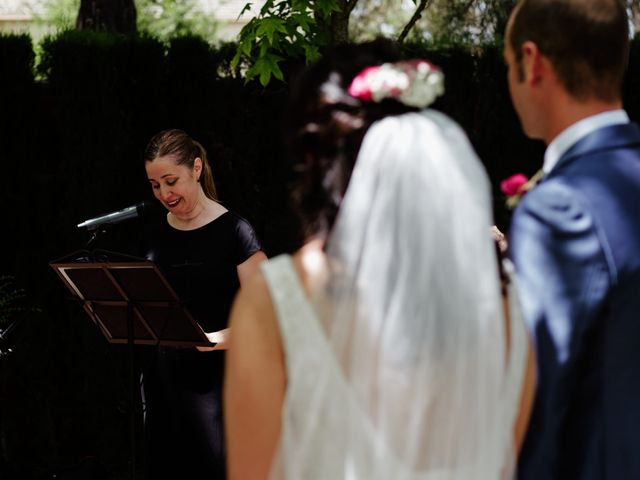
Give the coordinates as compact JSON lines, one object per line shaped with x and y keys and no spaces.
{"x":90,"y":253}
{"x":94,"y":235}
{"x":94,"y":256}
{"x":89,"y":248}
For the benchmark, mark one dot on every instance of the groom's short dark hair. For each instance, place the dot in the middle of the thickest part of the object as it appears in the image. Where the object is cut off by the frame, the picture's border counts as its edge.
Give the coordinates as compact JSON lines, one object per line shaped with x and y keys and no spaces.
{"x":587,"y":42}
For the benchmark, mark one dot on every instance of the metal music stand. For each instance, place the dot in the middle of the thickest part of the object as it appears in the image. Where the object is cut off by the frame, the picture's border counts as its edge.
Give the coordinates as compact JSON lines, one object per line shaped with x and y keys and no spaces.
{"x":130,"y":302}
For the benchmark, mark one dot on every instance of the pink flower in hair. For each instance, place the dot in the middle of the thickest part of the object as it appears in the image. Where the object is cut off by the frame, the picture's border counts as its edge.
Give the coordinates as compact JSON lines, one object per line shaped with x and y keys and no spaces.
{"x":359,"y":87}
{"x":415,"y":83}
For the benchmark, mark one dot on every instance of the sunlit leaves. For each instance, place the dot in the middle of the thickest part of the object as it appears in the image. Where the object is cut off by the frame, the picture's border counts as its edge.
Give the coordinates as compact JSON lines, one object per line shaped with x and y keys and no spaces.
{"x":292,"y":29}
{"x":266,"y":66}
{"x":270,"y":27}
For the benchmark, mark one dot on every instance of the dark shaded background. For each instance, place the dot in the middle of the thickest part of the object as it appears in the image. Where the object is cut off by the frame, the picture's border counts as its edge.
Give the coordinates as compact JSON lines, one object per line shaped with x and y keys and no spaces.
{"x":71,"y":147}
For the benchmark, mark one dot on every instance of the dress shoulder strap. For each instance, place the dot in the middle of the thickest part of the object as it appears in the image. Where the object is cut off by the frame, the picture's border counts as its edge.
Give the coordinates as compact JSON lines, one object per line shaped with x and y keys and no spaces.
{"x":299,"y":329}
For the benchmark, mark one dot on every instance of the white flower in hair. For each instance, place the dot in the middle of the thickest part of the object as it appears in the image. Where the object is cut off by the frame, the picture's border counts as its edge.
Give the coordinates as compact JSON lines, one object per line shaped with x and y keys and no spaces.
{"x":416,"y":83}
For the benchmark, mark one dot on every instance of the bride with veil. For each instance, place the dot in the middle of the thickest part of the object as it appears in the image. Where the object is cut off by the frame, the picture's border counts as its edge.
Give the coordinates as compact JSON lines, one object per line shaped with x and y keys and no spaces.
{"x":387,"y":347}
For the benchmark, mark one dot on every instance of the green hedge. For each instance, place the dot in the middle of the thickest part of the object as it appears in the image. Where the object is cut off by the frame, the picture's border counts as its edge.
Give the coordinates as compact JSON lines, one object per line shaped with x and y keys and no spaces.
{"x":16,"y":58}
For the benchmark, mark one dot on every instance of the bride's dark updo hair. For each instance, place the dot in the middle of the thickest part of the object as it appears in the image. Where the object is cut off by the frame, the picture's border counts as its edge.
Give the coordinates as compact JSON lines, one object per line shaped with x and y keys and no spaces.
{"x":325,"y":125}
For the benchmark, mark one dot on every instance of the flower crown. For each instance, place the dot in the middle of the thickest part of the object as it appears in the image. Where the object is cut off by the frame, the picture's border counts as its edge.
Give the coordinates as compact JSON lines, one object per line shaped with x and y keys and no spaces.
{"x":415,"y":83}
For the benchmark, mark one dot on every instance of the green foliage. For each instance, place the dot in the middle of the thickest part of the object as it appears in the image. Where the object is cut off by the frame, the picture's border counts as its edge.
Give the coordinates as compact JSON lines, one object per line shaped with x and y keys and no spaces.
{"x":58,"y":14}
{"x":224,"y":54}
{"x":299,"y":29}
{"x":17,"y":59}
{"x":12,"y":300}
{"x":443,"y":21}
{"x":163,"y":19}
{"x":374,"y":18}
{"x":284,"y":29}
{"x":54,"y":16}
{"x":294,"y":30}
{"x":167,"y":19}
{"x":467,"y":21}
{"x":106,"y":87}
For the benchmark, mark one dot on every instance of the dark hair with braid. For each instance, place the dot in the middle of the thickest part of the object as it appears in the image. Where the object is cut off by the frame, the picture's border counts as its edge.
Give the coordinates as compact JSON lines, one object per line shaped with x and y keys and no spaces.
{"x":325,"y":126}
{"x":185,"y":150}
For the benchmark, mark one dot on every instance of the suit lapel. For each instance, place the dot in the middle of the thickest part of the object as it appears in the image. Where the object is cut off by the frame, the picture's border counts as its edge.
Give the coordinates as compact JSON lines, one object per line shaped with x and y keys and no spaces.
{"x":606,"y":138}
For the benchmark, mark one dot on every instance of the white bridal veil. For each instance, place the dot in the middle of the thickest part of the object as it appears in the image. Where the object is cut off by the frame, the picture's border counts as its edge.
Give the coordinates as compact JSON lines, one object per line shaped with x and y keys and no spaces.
{"x":413,"y":385}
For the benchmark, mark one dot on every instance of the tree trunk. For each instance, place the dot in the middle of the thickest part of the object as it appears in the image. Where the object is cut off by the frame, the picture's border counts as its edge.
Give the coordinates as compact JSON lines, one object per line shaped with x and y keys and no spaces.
{"x":634,"y":6}
{"x":339,"y":23}
{"x":115,"y":16}
{"x":339,"y":27}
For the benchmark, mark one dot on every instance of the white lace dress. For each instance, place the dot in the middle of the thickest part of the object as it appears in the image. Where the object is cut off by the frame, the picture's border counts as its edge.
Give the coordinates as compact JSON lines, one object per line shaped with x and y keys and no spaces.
{"x":339,"y":441}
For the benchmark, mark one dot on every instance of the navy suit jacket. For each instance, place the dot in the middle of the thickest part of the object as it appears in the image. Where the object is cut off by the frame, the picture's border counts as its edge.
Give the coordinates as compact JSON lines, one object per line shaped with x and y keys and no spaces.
{"x":575,"y":242}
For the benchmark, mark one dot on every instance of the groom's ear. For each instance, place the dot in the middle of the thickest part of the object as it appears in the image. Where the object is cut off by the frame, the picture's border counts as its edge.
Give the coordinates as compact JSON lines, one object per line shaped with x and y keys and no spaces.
{"x":533,"y":63}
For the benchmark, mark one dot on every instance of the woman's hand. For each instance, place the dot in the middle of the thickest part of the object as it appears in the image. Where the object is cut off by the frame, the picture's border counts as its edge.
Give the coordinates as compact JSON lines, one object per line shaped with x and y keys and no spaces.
{"x":245,"y":271}
{"x":220,"y":338}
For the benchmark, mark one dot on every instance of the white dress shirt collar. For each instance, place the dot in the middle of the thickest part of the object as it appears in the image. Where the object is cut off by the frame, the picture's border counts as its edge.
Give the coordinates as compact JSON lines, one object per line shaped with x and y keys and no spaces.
{"x":577,"y":131}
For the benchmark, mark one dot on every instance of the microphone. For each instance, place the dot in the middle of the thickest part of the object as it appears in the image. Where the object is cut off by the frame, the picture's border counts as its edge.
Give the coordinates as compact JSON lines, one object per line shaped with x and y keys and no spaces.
{"x":133,"y":211}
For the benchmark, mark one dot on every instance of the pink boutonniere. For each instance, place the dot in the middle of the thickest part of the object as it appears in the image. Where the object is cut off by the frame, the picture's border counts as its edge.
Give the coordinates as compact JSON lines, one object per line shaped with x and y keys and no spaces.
{"x":516,"y":186}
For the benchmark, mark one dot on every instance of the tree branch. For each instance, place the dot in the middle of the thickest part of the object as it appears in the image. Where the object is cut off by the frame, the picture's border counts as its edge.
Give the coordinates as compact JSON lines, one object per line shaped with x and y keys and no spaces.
{"x":414,"y":18}
{"x":349,"y":6}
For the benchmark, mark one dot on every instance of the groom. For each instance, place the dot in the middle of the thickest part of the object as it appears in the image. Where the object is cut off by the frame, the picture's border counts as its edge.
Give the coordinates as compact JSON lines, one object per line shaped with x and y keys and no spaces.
{"x":575,"y":239}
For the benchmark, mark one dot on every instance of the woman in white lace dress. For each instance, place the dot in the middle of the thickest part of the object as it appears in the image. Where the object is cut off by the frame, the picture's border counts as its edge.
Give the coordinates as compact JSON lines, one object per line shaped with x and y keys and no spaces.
{"x":384,"y":348}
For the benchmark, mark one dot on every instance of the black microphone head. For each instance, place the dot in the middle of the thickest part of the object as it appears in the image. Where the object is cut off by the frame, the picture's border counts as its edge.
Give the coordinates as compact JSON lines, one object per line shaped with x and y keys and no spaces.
{"x":146,"y":206}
